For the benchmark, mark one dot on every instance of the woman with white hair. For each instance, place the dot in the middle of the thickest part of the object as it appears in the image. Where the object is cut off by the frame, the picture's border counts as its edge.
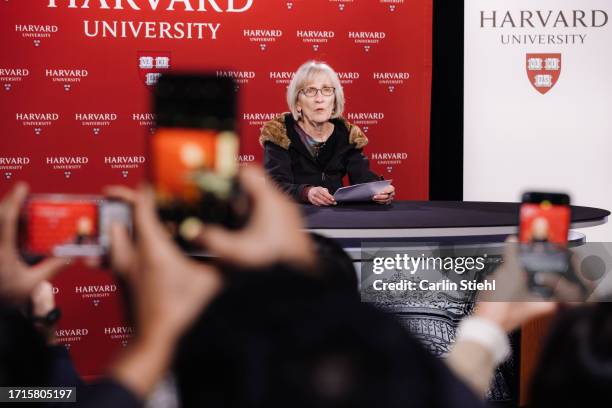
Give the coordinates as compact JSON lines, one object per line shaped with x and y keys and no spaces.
{"x":309,"y":150}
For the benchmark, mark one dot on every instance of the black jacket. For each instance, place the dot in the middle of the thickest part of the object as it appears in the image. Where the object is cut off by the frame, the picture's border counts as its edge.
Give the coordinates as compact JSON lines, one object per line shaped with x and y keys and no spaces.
{"x":289,"y":163}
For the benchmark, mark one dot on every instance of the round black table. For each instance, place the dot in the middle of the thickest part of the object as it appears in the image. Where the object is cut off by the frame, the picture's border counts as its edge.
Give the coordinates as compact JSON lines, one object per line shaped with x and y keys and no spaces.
{"x":428,"y":219}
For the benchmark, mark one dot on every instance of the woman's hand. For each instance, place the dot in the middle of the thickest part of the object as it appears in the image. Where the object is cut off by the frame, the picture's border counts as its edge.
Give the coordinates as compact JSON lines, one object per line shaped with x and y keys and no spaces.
{"x":385,"y":196}
{"x":320,"y":196}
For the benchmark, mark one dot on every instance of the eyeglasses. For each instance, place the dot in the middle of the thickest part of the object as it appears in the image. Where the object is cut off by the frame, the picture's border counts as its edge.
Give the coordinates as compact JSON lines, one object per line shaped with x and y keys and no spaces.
{"x":311,"y":92}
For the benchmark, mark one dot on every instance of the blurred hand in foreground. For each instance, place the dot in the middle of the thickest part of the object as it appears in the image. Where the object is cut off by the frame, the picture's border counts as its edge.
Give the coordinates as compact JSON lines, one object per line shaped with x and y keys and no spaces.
{"x":274,"y":232}
{"x":512,"y":304}
{"x":169,"y":289}
{"x":18,"y":280}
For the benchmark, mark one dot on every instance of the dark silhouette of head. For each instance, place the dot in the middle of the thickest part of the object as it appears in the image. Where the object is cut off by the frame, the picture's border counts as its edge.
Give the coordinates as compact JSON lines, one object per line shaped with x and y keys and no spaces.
{"x":286,"y":340}
{"x":576,"y":364}
{"x":335,"y":265}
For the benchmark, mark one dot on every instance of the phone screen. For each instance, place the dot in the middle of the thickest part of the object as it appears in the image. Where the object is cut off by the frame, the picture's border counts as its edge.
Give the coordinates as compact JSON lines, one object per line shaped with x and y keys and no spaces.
{"x":544,"y":217}
{"x":544,"y":226}
{"x":191,"y":161}
{"x":69,"y":225}
{"x":52,"y":222}
{"x":194,"y":151}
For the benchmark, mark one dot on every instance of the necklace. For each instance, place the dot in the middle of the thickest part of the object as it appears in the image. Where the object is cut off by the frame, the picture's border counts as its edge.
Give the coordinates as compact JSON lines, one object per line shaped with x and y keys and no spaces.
{"x":312,"y":145}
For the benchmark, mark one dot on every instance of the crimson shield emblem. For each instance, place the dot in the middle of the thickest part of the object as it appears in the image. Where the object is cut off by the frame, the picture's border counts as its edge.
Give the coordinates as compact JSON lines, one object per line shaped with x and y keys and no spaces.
{"x":543,"y":70}
{"x":151,"y":65}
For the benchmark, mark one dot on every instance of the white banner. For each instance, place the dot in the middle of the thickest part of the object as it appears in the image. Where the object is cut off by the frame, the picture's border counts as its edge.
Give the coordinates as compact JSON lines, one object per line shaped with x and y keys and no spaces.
{"x":538,"y":101}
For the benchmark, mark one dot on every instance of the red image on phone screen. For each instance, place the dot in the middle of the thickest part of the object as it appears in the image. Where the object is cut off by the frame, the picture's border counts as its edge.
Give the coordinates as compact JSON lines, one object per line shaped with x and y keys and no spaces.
{"x":182,"y":157}
{"x":179,"y":153}
{"x":544,"y":221}
{"x":56,"y":222}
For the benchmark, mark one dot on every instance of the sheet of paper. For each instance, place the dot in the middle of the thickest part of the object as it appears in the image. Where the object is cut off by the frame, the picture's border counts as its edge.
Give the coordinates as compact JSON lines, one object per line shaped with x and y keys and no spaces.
{"x":360,"y":192}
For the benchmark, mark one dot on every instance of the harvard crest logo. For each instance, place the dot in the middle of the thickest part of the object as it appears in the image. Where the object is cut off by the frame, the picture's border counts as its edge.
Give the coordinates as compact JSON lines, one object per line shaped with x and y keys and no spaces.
{"x":151,"y":65}
{"x":543,"y":71}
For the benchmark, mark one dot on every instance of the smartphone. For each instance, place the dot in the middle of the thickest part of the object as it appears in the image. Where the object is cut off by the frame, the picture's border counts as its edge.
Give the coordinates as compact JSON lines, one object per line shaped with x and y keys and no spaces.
{"x":194,"y":152}
{"x":69,"y":225}
{"x":543,"y":230}
{"x":545,"y":217}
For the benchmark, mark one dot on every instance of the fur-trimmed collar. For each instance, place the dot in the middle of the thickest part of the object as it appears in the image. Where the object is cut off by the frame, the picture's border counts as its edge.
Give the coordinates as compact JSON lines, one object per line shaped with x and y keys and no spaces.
{"x":275,"y":131}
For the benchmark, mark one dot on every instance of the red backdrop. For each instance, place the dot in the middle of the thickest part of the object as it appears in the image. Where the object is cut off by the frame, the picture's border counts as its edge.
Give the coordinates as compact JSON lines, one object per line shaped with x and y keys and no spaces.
{"x":75,"y":100}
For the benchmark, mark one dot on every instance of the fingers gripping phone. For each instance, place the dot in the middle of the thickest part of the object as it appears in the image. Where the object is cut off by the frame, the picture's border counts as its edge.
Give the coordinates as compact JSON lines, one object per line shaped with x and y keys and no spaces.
{"x":194,"y":152}
{"x":543,"y":230}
